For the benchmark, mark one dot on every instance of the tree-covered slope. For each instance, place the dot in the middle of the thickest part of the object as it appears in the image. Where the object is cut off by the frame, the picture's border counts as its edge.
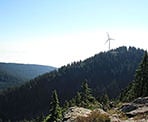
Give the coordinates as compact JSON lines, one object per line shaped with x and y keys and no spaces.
{"x":139,"y":86}
{"x":106,"y":72}
{"x":7,"y":80}
{"x":12,"y":74}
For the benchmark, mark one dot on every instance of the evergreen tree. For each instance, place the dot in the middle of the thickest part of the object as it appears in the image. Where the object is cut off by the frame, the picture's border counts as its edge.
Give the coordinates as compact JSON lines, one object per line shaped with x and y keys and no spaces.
{"x":72,"y":102}
{"x":141,"y":79}
{"x":66,"y":105}
{"x":105,"y":101}
{"x":86,"y":95}
{"x":139,"y":87}
{"x":83,"y":98}
{"x":78,"y":99}
{"x":55,"y":111}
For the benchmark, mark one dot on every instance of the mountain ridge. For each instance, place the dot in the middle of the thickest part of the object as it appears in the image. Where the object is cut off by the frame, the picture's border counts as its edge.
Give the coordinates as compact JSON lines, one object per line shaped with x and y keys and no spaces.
{"x":13,"y":74}
{"x":105,"y":72}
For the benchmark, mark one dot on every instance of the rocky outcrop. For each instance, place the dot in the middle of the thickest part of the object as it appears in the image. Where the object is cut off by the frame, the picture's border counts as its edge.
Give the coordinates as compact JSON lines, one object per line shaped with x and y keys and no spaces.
{"x":141,"y":110}
{"x":133,"y":109}
{"x":73,"y":112}
{"x":137,"y":107}
{"x":127,"y":107}
{"x":141,"y":100}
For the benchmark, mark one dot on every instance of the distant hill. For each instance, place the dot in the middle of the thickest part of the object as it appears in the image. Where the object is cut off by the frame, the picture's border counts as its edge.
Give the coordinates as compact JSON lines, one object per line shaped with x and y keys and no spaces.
{"x":106,"y":72}
{"x":12,"y":74}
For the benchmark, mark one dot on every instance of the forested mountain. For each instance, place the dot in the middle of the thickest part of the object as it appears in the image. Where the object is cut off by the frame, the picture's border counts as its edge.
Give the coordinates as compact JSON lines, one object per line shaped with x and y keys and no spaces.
{"x":107,"y":72}
{"x":139,"y":86}
{"x":12,"y":74}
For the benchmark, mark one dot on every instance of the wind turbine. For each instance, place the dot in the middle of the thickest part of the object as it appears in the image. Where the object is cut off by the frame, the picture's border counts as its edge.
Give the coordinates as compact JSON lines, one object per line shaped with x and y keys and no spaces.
{"x":109,"y":39}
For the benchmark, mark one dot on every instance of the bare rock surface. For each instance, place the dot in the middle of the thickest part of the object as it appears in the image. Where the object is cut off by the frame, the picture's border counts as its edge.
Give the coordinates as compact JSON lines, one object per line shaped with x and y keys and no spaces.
{"x":138,"y":106}
{"x":140,"y":110}
{"x":73,"y":112}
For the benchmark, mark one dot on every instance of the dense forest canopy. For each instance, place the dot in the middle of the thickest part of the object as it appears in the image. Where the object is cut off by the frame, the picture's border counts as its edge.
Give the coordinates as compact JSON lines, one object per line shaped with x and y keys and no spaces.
{"x":106,"y":72}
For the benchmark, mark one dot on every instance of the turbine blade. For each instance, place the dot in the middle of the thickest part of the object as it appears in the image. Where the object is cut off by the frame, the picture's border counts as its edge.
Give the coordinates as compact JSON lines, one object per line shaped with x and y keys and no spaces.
{"x":111,"y":39}
{"x":107,"y":34}
{"x":106,"y":41}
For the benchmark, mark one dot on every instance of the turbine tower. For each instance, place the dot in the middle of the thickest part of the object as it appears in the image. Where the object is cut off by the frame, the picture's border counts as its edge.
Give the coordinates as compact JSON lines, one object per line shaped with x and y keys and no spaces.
{"x":109,"y":39}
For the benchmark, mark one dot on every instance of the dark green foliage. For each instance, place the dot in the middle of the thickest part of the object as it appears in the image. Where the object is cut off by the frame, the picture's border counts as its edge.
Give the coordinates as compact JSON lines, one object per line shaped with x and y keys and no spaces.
{"x":104,"y":100}
{"x":78,"y":99}
{"x":72,"y":102}
{"x":8,"y":80}
{"x":139,"y":87}
{"x":141,"y":79}
{"x":55,"y":110}
{"x":86,"y":95}
{"x":12,"y":74}
{"x":66,"y":105}
{"x":84,"y":98}
{"x":106,"y":72}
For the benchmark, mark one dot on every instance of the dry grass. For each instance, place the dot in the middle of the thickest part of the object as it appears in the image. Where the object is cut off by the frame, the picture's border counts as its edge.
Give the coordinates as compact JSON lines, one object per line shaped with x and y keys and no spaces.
{"x":94,"y":117}
{"x":141,"y":116}
{"x":120,"y":114}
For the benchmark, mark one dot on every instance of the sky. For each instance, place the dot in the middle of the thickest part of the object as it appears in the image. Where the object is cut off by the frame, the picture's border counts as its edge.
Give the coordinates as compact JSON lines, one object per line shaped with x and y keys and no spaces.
{"x":58,"y":32}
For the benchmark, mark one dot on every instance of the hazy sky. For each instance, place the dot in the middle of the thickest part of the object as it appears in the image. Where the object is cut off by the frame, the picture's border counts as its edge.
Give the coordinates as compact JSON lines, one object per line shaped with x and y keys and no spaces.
{"x":57,"y":32}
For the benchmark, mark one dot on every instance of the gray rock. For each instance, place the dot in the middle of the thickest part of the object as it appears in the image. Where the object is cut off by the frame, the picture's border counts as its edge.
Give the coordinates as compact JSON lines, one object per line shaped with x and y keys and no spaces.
{"x":139,"y":111}
{"x":73,"y":112}
{"x":141,"y":100}
{"x":128,"y":107}
{"x":137,"y":107}
{"x":101,"y":111}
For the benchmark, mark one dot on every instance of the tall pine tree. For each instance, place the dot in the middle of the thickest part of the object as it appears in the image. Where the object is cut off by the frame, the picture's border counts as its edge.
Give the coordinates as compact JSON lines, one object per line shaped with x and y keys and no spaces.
{"x":55,"y":110}
{"x":138,"y":88}
{"x":86,"y":95}
{"x":141,"y":79}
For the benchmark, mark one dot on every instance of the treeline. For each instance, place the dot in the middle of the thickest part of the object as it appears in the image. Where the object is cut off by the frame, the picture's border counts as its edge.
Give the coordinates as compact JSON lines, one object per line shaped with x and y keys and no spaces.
{"x":106,"y":72}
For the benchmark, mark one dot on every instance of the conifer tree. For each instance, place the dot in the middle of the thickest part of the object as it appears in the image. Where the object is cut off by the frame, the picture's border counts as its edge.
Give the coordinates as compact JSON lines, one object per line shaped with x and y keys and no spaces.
{"x":139,"y":87}
{"x":78,"y":99}
{"x":55,"y":111}
{"x":104,"y":99}
{"x":72,"y":102}
{"x":66,"y":104}
{"x":141,"y":78}
{"x":86,"y":94}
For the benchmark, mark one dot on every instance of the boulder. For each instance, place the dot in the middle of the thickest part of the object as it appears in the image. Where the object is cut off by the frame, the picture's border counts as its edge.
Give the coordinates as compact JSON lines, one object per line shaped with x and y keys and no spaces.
{"x":101,"y":111}
{"x":128,"y":107}
{"x":137,"y":107}
{"x":141,"y":100}
{"x":73,"y":112}
{"x":139,"y":111}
